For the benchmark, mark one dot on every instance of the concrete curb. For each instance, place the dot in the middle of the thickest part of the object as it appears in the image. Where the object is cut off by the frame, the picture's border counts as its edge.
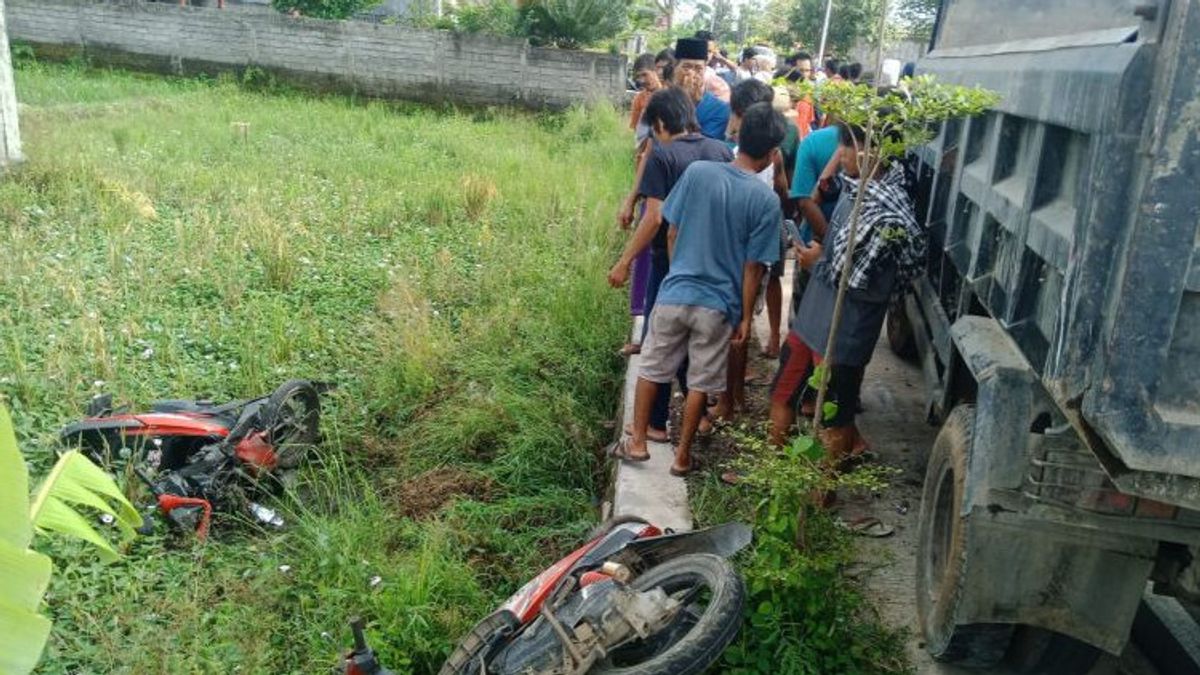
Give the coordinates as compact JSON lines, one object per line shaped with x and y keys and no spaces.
{"x":647,"y":489}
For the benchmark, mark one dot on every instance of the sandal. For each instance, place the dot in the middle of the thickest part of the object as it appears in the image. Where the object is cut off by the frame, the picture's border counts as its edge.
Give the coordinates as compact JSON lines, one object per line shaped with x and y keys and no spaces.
{"x":620,"y":450}
{"x":868,"y":526}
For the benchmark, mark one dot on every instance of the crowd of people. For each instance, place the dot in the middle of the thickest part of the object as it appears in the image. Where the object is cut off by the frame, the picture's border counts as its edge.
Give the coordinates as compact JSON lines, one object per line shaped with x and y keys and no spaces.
{"x":734,"y":179}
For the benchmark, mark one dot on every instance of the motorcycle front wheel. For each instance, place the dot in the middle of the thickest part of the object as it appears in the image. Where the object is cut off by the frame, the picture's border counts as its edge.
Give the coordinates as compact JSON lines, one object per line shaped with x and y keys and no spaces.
{"x":714,"y":596}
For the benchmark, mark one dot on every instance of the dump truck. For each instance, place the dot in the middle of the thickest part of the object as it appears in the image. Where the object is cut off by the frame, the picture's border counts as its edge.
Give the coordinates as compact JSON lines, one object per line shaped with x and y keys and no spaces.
{"x":1058,"y":328}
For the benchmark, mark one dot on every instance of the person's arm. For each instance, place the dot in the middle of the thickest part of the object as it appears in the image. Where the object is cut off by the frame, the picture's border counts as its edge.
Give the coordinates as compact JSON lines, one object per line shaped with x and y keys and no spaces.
{"x":781,"y":181}
{"x":625,"y":214}
{"x":810,"y":209}
{"x":725,"y":61}
{"x":751,"y":277}
{"x":831,"y":168}
{"x":642,"y":236}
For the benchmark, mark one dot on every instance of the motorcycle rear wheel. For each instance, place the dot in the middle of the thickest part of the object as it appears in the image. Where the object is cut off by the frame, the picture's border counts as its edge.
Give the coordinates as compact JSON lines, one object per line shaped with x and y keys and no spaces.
{"x":292,"y":418}
{"x":698,"y":636}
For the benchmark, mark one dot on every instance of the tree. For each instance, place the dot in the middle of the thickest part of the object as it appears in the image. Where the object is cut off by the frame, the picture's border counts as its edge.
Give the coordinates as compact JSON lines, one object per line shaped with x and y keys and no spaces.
{"x":666,"y":8}
{"x":325,"y":9}
{"x":74,"y":481}
{"x":918,"y":16}
{"x":575,"y":23}
{"x":716,"y":17}
{"x":851,"y":20}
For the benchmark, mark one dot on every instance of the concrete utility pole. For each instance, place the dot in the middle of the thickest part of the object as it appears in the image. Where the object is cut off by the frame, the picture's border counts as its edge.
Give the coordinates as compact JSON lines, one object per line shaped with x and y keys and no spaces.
{"x":10,"y":136}
{"x":824,"y":34}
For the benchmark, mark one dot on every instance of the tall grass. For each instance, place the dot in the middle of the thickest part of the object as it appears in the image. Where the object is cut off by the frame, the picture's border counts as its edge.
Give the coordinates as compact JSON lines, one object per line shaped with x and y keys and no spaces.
{"x":445,"y":267}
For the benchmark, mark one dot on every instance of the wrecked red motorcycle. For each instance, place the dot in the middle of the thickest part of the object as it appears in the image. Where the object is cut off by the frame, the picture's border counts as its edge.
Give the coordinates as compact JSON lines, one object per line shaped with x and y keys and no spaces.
{"x":195,"y":455}
{"x":632,"y":600}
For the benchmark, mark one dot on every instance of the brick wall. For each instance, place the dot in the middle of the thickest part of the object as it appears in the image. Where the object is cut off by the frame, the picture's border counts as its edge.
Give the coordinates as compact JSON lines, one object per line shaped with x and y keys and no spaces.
{"x":366,"y":58}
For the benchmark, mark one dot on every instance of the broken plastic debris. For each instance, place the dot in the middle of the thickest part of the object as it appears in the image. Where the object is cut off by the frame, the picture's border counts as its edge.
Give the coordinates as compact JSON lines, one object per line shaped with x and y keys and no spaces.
{"x":285,"y":568}
{"x":376,"y":580}
{"x":265,"y":515}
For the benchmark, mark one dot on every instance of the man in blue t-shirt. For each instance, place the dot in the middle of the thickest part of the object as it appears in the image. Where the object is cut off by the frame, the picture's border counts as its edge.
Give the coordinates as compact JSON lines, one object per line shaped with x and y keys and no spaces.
{"x":672,"y":117}
{"x":724,"y":227}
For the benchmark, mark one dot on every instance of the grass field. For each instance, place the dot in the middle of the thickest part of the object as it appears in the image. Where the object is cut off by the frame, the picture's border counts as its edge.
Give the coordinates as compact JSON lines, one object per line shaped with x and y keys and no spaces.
{"x":446,"y":268}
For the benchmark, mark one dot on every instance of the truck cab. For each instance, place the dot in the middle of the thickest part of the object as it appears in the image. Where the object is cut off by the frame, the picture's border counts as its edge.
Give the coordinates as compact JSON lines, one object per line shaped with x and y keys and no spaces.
{"x":1058,"y":327}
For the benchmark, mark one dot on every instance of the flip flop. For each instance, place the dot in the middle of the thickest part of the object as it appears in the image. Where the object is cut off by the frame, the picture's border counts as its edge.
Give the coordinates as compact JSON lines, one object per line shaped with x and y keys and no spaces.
{"x":683,"y":474}
{"x":868,"y":526}
{"x":620,"y":450}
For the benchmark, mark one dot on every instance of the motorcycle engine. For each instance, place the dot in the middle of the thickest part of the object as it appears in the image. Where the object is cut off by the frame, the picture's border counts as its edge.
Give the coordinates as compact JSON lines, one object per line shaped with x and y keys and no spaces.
{"x":594,"y":620}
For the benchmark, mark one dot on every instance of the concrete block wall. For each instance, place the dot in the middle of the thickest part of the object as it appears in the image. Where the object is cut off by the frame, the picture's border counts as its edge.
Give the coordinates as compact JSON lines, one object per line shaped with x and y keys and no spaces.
{"x":370,"y":59}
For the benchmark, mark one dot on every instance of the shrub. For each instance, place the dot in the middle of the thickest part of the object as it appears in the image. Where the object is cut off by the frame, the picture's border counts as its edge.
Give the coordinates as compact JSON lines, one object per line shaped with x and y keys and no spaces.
{"x":574,"y":23}
{"x":499,"y":17}
{"x":804,"y":614}
{"x":325,"y":9}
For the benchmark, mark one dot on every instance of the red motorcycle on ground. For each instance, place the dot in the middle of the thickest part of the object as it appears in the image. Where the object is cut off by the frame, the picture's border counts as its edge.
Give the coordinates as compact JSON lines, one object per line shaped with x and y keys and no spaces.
{"x":632,"y":600}
{"x":195,"y":455}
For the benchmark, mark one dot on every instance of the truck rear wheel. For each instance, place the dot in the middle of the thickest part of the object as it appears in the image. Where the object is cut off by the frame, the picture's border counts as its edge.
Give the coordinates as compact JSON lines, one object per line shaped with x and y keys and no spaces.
{"x":943,"y":563}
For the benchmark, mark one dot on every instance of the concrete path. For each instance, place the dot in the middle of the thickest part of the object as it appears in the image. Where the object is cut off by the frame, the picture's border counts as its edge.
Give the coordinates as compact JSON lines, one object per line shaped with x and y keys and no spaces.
{"x":647,"y":489}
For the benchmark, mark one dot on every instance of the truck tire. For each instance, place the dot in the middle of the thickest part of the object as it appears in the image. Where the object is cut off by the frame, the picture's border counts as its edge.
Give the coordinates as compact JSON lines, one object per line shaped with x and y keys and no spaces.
{"x":943,"y":564}
{"x":900,"y":336}
{"x":1037,"y":651}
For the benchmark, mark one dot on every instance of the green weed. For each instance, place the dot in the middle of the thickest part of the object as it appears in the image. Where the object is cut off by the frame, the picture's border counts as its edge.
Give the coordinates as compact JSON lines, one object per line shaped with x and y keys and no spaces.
{"x":804,"y":615}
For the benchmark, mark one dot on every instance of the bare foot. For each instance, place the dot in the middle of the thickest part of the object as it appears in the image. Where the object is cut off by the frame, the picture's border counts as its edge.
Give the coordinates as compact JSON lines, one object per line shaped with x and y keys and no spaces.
{"x":652,"y":434}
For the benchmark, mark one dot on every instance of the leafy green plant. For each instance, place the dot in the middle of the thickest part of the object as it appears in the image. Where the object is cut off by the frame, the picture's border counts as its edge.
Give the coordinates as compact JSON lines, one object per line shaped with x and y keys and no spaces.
{"x":804,"y":615}
{"x":74,"y":481}
{"x":574,"y":23}
{"x":498,"y":17}
{"x":325,"y":9}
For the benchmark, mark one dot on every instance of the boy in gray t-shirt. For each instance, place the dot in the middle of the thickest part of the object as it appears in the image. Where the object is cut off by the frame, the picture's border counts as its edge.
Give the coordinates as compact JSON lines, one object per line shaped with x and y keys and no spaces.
{"x":724,"y":227}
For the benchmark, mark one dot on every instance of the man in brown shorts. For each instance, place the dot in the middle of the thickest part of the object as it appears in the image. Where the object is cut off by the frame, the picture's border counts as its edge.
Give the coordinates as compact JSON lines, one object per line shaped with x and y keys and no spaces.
{"x":724,"y":227}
